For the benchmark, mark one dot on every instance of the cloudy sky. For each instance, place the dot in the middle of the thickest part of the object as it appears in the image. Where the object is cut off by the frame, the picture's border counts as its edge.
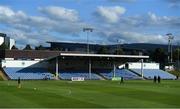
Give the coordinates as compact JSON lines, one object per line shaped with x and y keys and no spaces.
{"x":114,"y":21}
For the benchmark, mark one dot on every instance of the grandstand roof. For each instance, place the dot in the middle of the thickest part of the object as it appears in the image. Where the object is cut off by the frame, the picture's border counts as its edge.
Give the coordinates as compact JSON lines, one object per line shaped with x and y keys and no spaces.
{"x":102,"y":55}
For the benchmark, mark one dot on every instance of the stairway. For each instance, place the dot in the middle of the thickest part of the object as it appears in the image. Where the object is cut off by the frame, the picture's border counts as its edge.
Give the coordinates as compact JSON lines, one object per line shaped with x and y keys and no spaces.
{"x":136,"y":73}
{"x":3,"y":75}
{"x":101,"y":76}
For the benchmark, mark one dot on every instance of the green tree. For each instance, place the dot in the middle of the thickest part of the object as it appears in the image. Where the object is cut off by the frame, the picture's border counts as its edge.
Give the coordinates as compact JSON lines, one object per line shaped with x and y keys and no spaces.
{"x":28,"y":47}
{"x":40,"y":47}
{"x":175,"y":54}
{"x":103,"y":50}
{"x":119,"y":51}
{"x":134,"y":52}
{"x":14,"y":47}
{"x":159,"y":55}
{"x":57,"y":49}
{"x":3,"y":46}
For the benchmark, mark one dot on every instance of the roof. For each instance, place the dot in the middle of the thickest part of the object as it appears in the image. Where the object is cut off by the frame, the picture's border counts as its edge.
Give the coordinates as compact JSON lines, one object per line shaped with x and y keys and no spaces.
{"x":2,"y":35}
{"x":72,"y":42}
{"x":102,"y":55}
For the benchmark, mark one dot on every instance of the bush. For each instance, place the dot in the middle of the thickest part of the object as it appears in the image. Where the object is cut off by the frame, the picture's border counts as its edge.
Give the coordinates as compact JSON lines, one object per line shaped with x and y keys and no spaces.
{"x":175,"y":72}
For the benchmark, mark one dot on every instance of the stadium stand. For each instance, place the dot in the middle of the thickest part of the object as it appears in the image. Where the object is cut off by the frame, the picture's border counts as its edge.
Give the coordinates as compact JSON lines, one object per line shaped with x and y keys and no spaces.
{"x":150,"y":73}
{"x":3,"y":75}
{"x":28,"y":73}
{"x":126,"y":74}
{"x":67,"y":75}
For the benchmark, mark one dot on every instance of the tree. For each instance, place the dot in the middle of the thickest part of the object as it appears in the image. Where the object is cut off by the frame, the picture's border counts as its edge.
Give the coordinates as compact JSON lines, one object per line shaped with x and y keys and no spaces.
{"x":14,"y":47}
{"x":28,"y":47}
{"x":176,"y":52}
{"x":119,"y":51}
{"x":103,"y":50}
{"x":3,"y":46}
{"x":159,"y":55}
{"x":57,"y":49}
{"x":134,"y":52}
{"x":40,"y":47}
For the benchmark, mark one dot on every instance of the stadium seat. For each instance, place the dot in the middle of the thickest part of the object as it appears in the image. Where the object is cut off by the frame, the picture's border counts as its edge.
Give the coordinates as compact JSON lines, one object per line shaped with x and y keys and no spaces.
{"x":28,"y":73}
{"x":67,"y":75}
{"x":150,"y":73}
{"x":126,"y":74}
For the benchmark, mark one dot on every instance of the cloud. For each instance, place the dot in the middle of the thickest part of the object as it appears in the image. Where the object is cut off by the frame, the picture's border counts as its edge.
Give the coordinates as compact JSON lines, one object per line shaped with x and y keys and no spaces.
{"x":32,"y":28}
{"x":59,"y":23}
{"x":147,"y":28}
{"x":141,"y":22}
{"x":109,"y":14}
{"x":128,"y":1}
{"x":133,"y":37}
{"x":60,"y":13}
{"x":6,"y":11}
{"x":173,"y":3}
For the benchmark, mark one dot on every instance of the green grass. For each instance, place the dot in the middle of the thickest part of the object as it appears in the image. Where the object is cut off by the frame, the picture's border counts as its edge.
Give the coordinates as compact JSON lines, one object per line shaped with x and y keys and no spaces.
{"x":90,"y":94}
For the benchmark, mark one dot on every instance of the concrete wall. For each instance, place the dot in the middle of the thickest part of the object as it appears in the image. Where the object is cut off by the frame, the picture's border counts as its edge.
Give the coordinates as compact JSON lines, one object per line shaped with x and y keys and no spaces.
{"x":145,"y":65}
{"x":8,"y":41}
{"x":24,"y":63}
{"x":1,"y":40}
{"x":12,"y":43}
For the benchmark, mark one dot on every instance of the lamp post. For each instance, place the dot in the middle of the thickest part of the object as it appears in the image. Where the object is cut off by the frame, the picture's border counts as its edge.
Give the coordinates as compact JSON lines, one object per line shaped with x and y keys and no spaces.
{"x":118,"y":44}
{"x":170,"y":54}
{"x":87,"y":30}
{"x":178,"y":55}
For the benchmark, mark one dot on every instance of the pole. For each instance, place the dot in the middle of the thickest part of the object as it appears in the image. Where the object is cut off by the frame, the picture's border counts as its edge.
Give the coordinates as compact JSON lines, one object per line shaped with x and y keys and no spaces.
{"x":178,"y":57}
{"x":88,"y":42}
{"x":171,"y":53}
{"x":168,"y":50}
{"x":88,"y":30}
{"x":117,"y":46}
{"x":57,"y":68}
{"x":142,"y":75}
{"x":90,"y":69}
{"x":114,"y":70}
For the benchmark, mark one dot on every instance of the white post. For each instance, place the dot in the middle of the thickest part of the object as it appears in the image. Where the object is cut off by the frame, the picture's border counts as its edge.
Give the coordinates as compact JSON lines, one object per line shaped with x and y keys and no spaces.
{"x":57,"y":68}
{"x":142,"y":68}
{"x":88,"y":42}
{"x":114,"y":70}
{"x":89,"y":69}
{"x":88,"y":30}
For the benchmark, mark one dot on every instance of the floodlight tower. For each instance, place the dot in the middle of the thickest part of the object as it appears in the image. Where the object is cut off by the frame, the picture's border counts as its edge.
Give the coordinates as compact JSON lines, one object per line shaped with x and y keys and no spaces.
{"x":178,"y":44}
{"x":87,"y":30}
{"x":170,"y":54}
{"x":118,"y":45}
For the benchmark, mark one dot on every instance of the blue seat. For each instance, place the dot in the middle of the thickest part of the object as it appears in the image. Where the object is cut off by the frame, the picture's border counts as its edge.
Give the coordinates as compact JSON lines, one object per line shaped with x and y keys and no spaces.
{"x":69,"y":74}
{"x":126,"y":74}
{"x":28,"y":73}
{"x":150,"y":73}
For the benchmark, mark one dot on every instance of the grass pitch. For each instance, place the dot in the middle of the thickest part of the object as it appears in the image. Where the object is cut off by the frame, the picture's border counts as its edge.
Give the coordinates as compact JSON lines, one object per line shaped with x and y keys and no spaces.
{"x":90,"y":94}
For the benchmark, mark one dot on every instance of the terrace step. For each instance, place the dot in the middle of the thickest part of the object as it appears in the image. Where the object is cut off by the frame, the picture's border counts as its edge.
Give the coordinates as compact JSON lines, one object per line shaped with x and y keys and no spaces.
{"x":3,"y":75}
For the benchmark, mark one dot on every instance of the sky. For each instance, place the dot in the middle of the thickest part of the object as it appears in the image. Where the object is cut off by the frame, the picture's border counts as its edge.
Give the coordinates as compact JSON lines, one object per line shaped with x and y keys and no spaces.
{"x":35,"y":22}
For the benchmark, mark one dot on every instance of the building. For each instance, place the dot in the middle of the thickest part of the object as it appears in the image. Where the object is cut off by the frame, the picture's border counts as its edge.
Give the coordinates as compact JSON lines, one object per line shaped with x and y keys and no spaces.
{"x":7,"y":41}
{"x":39,"y":64}
{"x":73,"y":63}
